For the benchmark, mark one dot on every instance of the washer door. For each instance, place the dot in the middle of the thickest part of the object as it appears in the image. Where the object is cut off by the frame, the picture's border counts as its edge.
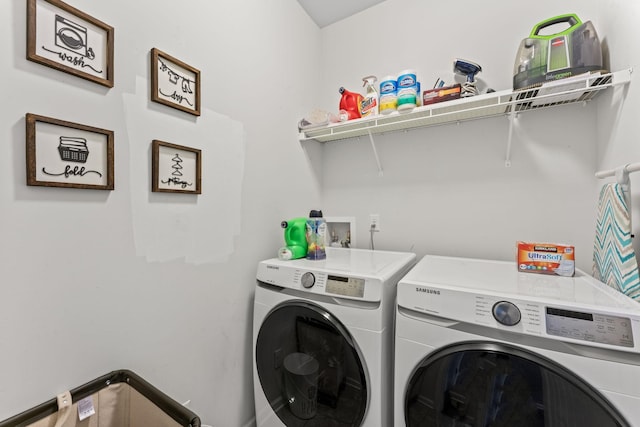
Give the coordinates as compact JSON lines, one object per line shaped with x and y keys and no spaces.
{"x":310,"y":368}
{"x":488,"y":384}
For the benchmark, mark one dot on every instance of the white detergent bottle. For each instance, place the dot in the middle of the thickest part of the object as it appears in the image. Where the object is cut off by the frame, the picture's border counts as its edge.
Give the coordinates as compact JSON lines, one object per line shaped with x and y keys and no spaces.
{"x":369,"y":105}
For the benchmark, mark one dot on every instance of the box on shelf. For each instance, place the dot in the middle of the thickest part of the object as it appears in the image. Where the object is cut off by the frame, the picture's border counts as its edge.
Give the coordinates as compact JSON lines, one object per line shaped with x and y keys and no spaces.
{"x":441,"y":94}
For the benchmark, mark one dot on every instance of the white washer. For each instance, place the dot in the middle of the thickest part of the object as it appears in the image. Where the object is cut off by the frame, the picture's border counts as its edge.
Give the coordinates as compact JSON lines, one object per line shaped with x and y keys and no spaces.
{"x":480,"y":344}
{"x":323,"y":339}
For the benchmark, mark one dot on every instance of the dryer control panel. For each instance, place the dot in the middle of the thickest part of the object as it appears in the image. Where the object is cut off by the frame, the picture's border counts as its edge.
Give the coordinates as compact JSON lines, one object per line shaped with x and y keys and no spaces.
{"x":494,"y":294}
{"x":592,"y":327}
{"x":598,"y":328}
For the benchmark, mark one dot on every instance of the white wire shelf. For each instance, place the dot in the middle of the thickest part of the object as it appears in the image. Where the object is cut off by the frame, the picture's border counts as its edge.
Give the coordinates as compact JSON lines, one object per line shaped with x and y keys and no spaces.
{"x":566,"y":91}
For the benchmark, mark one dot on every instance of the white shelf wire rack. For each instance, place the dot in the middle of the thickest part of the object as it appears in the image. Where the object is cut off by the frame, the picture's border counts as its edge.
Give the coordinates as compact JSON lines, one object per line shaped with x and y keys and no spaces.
{"x":567,"y":91}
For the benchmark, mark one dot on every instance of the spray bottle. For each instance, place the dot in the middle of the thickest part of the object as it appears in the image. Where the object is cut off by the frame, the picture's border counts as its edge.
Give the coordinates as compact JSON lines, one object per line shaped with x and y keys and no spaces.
{"x":369,"y":105}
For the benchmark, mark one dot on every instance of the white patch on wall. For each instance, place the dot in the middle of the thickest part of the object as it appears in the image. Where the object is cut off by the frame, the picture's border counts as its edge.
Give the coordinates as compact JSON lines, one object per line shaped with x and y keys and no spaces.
{"x":199,"y":228}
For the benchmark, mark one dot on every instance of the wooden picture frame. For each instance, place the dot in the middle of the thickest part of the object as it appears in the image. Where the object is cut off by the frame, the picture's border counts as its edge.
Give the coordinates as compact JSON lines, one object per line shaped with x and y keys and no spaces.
{"x":66,"y":154}
{"x":176,"y":168}
{"x":174,"y":83}
{"x":67,"y":39}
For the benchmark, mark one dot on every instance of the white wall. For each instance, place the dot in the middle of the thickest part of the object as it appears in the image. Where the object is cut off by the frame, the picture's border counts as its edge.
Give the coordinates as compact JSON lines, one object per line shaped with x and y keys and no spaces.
{"x":446,"y":190}
{"x":617,"y":142}
{"x":94,"y":281}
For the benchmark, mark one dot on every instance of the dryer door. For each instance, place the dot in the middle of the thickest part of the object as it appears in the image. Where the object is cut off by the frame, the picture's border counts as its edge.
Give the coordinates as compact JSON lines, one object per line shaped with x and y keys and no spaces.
{"x":310,"y":368}
{"x":488,"y":384}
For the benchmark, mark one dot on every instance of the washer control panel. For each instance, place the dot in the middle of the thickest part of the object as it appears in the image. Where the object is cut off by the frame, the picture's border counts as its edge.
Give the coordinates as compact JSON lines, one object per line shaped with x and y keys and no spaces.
{"x":319,"y":282}
{"x":346,"y":286}
{"x":305,"y":277}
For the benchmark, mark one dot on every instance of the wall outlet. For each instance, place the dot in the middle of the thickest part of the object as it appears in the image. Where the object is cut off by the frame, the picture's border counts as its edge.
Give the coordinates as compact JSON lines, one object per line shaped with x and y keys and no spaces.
{"x":374,"y":222}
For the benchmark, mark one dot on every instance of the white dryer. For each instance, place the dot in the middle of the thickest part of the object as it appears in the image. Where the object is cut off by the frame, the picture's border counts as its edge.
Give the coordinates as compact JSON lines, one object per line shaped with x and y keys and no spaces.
{"x":323,"y":339}
{"x":480,"y":344}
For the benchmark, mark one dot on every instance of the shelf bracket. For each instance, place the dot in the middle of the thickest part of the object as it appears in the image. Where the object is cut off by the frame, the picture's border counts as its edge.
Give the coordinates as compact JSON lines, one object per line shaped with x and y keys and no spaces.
{"x":375,"y":153}
{"x":512,"y":118}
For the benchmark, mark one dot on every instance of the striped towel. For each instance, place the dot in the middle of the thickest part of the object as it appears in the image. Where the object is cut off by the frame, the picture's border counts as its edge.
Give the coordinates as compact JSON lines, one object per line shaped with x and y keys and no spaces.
{"x":614,"y":260}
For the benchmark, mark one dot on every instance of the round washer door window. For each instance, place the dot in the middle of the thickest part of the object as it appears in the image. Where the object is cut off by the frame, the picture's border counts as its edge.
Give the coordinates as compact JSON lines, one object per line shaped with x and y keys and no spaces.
{"x":310,"y":368}
{"x":490,"y":384}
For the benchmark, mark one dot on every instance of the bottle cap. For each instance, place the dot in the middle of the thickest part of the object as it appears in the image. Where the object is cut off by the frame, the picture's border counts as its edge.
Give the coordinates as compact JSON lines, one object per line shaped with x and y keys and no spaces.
{"x":315,"y":214}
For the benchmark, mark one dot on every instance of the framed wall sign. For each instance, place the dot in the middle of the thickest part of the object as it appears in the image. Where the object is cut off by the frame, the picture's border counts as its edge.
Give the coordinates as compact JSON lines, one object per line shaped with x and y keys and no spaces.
{"x":67,"y":39}
{"x":65,"y":154}
{"x":174,"y":83}
{"x":175,"y":168}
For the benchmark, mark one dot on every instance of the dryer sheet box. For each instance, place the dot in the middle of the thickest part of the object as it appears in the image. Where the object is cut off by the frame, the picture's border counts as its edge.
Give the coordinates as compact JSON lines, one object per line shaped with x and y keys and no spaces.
{"x":546,"y":258}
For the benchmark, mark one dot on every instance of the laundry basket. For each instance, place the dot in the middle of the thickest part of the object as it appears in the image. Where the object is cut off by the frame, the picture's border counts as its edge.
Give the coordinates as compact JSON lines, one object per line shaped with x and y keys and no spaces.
{"x":119,"y":399}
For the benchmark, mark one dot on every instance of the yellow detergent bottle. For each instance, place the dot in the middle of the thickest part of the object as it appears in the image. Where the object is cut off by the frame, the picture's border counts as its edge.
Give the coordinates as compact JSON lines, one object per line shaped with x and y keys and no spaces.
{"x":369,"y":104}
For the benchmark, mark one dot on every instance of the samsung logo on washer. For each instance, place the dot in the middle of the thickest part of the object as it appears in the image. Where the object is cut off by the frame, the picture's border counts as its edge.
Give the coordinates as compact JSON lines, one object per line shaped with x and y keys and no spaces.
{"x":428,"y":291}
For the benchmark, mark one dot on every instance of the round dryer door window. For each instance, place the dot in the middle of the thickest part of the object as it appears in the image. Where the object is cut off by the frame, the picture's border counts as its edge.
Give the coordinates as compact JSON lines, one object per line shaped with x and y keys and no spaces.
{"x":490,"y":384}
{"x":310,"y":369}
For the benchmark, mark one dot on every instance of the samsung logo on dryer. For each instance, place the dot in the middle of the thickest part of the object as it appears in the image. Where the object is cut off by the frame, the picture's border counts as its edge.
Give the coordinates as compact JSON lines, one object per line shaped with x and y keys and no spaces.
{"x":273,"y":267}
{"x":428,"y":291}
